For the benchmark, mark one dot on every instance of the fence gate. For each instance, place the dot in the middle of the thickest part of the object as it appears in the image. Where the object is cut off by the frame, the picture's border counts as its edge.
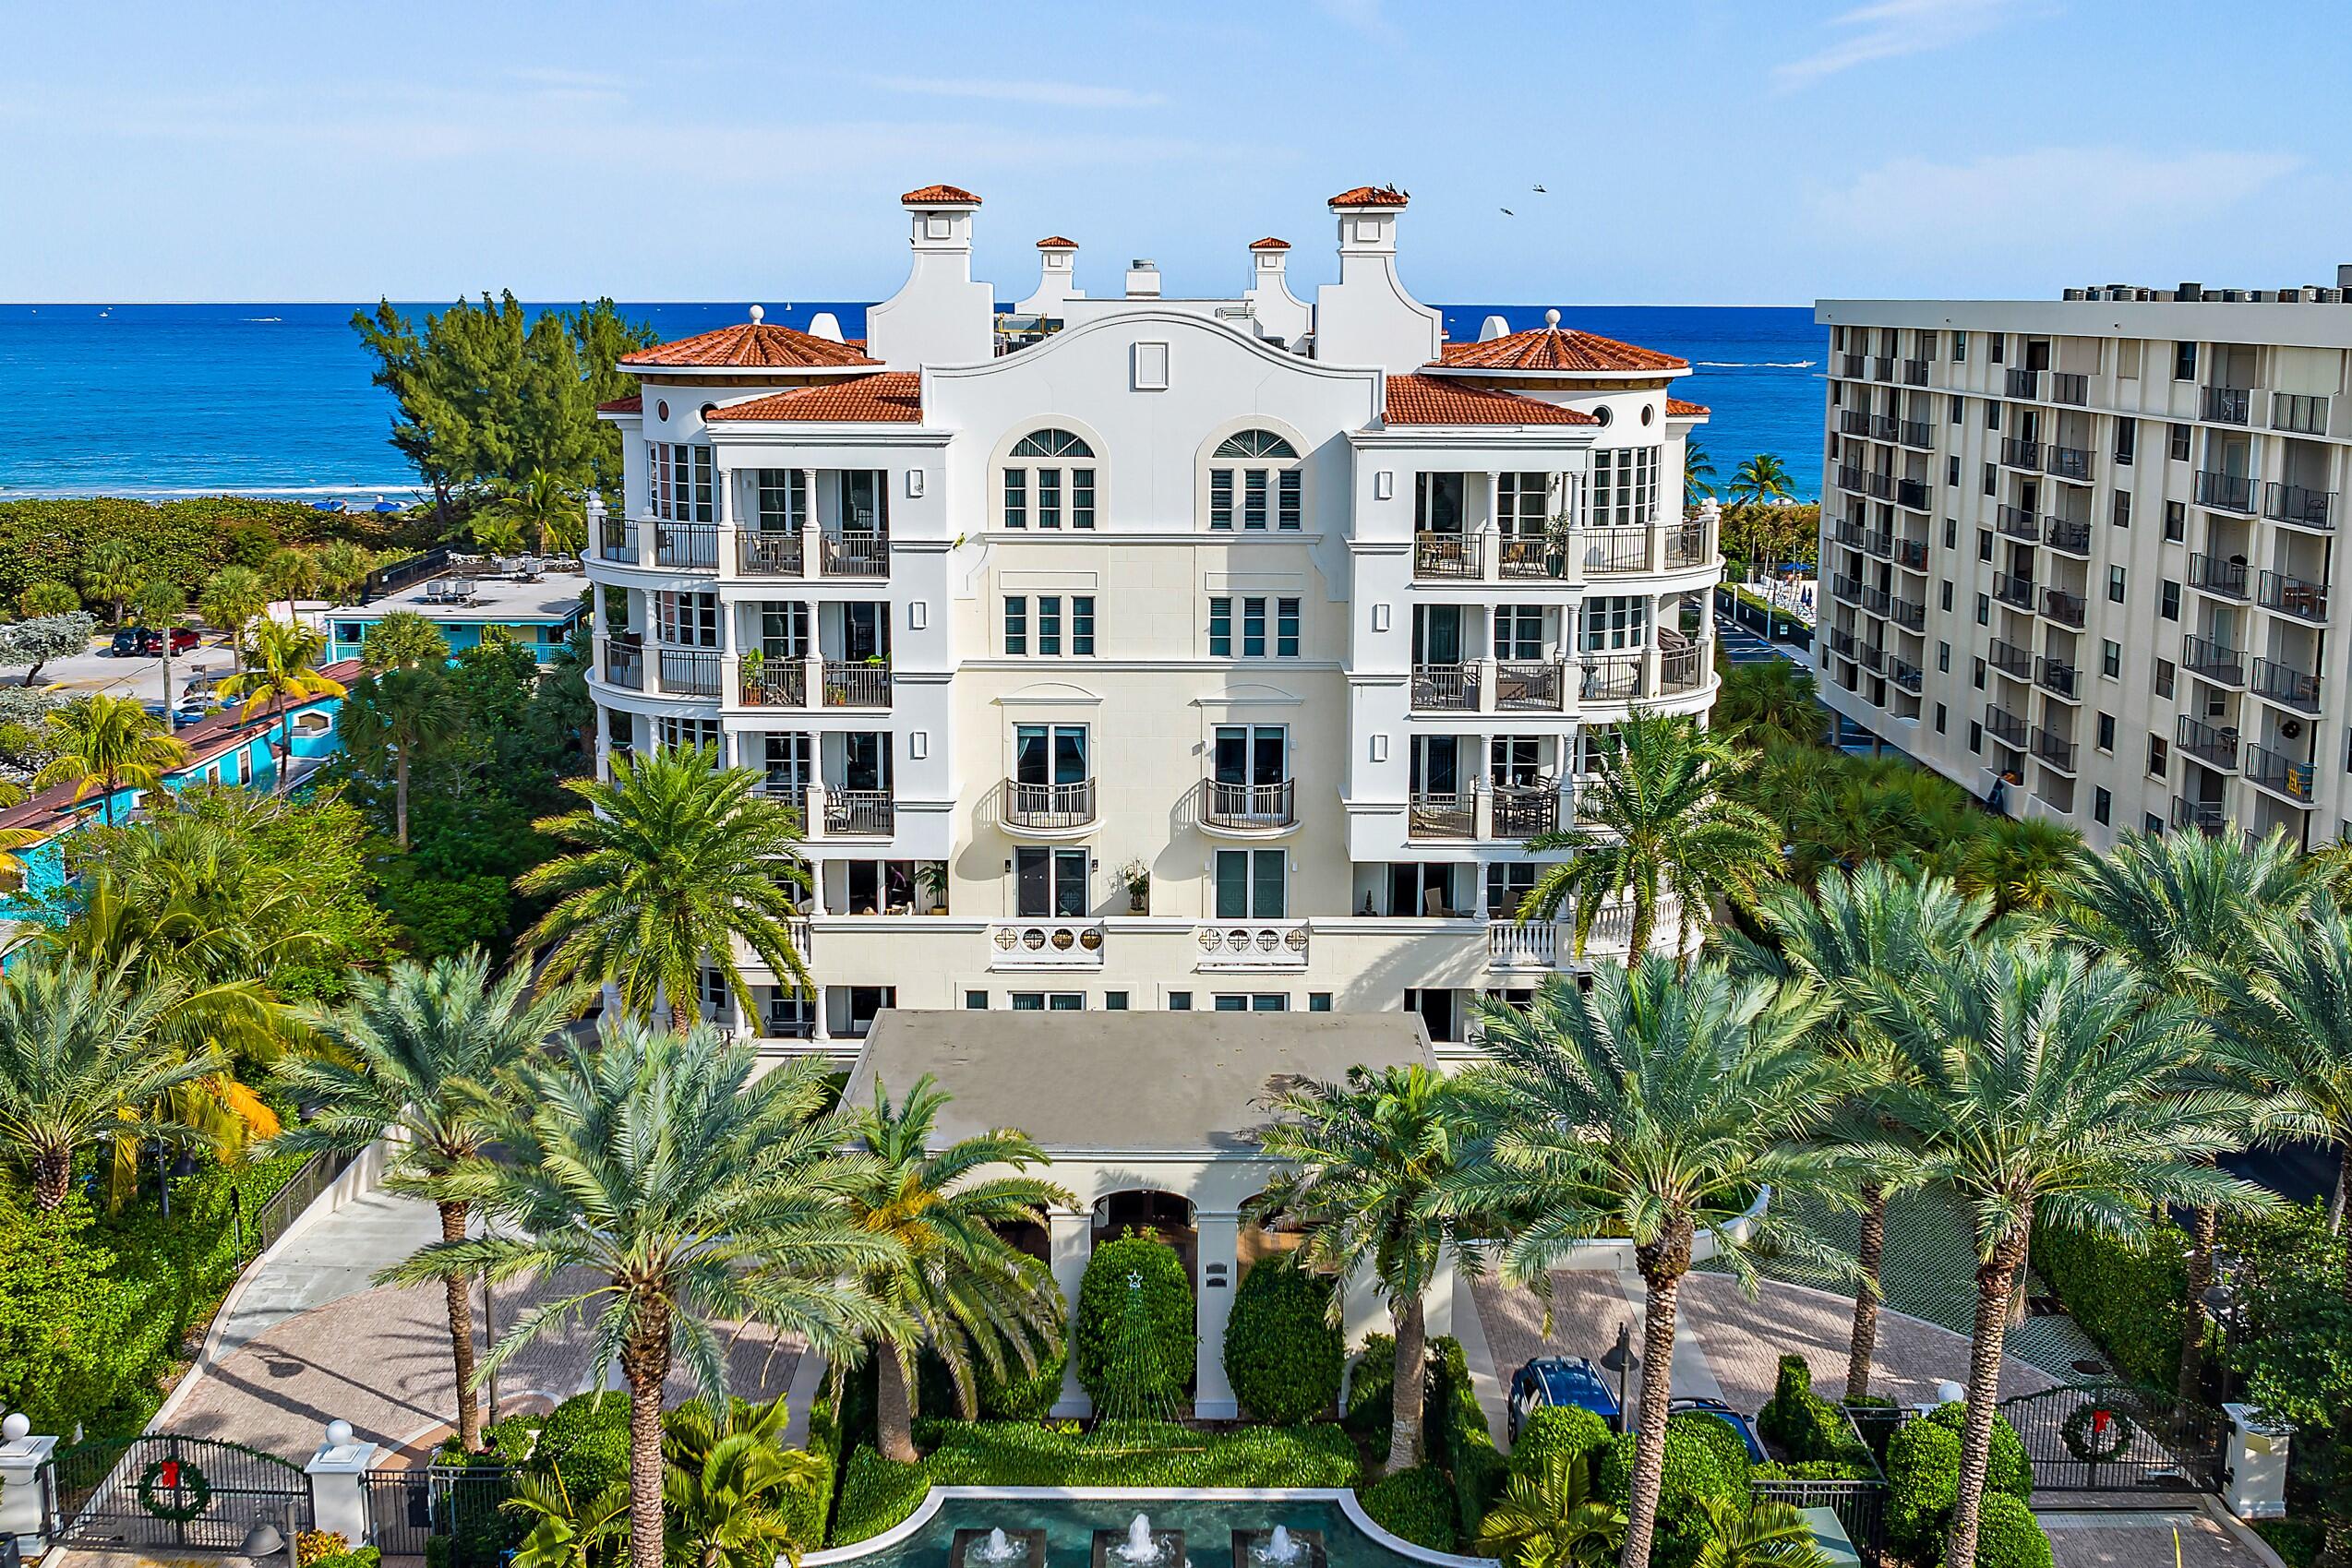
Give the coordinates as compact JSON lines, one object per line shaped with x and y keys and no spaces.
{"x":164,"y":1490}
{"x":2116,"y":1437}
{"x":459,"y":1504}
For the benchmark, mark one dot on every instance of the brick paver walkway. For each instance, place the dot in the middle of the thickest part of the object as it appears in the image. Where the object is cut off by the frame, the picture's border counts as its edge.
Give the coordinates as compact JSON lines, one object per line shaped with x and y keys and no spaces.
{"x":2143,"y":1538}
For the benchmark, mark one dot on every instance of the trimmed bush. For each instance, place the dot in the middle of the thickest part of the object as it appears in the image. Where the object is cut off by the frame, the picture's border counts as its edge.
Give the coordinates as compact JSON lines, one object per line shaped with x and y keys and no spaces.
{"x":1565,"y":1430}
{"x":805,"y":1506}
{"x":1729,"y":1449}
{"x":1691,"y":1479}
{"x":2008,"y":1536}
{"x":1459,"y":1437}
{"x":1282,"y":1355}
{"x":1022,"y":1398}
{"x":1102,"y":1304}
{"x":2007,"y":1468}
{"x":1811,"y":1470}
{"x":2128,"y":1298}
{"x":1922,"y":1481}
{"x":586,"y":1438}
{"x":876,"y":1494}
{"x":1801,"y":1425}
{"x":1369,"y":1407}
{"x":1417,"y":1505}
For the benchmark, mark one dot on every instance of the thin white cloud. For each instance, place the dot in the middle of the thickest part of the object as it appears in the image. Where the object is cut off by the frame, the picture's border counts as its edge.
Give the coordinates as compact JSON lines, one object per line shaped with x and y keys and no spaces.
{"x":2086,"y":200}
{"x":1053,"y":94}
{"x":1365,"y":17}
{"x":1888,"y":30}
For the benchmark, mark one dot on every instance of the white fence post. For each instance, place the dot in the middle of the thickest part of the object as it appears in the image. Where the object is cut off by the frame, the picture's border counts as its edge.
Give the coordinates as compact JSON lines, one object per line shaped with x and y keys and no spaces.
{"x":2257,"y":1486}
{"x":21,"y":1458}
{"x":338,"y":1484}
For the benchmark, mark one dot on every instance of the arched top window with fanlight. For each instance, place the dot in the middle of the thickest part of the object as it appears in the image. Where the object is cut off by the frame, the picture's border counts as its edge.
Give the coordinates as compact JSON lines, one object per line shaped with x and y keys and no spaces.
{"x":1254,"y":483}
{"x":1049,"y":481}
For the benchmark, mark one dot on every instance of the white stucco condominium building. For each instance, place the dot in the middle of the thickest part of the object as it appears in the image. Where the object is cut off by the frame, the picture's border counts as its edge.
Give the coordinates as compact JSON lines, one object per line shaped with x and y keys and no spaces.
{"x":2078,"y":555}
{"x":1154,"y":652}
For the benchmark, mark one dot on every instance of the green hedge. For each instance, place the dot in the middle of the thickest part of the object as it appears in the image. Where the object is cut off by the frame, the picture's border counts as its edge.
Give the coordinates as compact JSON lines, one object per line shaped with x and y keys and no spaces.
{"x":1923,"y":1476}
{"x":1565,"y":1429}
{"x":876,"y":1494}
{"x":1282,"y":1355}
{"x":2008,"y":1536}
{"x":184,"y":541}
{"x":1168,"y":1304}
{"x":807,"y":1507}
{"x":1803,"y":1426}
{"x":1694,"y":1474}
{"x":1812,"y":1470}
{"x":1459,"y":1439}
{"x":1369,"y":1408}
{"x":587,"y":1440}
{"x":2128,"y":1298}
{"x":2007,"y":1467}
{"x":1417,"y":1505}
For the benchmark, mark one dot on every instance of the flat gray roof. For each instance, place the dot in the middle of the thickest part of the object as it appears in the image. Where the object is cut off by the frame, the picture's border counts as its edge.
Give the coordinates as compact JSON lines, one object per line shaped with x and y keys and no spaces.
{"x":1180,"y":1081}
{"x":496,"y":599}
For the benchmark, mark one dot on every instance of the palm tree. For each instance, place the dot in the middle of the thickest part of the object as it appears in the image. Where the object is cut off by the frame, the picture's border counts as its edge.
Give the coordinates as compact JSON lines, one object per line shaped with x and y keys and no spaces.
{"x":77,"y":1061}
{"x":403,"y":640}
{"x":2020,"y":861}
{"x":163,"y":604}
{"x":401,"y":715}
{"x":495,"y":531}
{"x":681,"y":1193}
{"x":1551,"y":1519}
{"x":106,"y":742}
{"x":422,"y":1055}
{"x":1770,"y":702}
{"x":678,"y":859}
{"x":1858,"y":930}
{"x":726,"y":1482}
{"x":12,"y":866}
{"x":1362,"y":1164}
{"x":2040,"y":1088}
{"x":545,"y":508}
{"x":1762,"y":479}
{"x":1763,"y":1534}
{"x":290,"y":574}
{"x":282,"y":670}
{"x":2178,"y":908}
{"x":1659,"y":819}
{"x":47,"y":596}
{"x":954,"y":1286}
{"x":111,"y":572}
{"x":1698,"y":469}
{"x":1655,"y":1107}
{"x":230,"y":601}
{"x":340,"y":568}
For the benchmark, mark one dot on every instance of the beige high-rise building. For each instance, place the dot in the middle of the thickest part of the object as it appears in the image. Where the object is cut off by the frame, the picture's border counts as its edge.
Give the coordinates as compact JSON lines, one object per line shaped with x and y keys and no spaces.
{"x":2077,"y":554}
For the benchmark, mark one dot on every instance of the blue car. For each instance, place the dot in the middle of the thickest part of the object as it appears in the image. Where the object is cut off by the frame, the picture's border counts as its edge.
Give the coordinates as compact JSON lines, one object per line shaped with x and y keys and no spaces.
{"x":1560,"y":1379}
{"x":1692,"y":1406}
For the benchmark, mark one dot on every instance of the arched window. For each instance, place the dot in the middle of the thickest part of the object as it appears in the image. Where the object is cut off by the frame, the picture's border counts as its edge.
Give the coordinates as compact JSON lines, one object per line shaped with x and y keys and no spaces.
{"x":1048,"y":476}
{"x":1256,"y":474}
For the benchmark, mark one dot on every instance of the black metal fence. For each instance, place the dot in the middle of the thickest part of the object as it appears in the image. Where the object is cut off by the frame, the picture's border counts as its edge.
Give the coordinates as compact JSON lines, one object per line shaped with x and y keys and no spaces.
{"x":457,"y":1503}
{"x":1861,"y":1508}
{"x":257,"y":1232}
{"x":169,"y":1491}
{"x":2116,"y":1437}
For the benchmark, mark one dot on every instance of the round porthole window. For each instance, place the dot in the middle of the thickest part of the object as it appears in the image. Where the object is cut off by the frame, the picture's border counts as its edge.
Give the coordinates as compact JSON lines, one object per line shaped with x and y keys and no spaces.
{"x":1648,"y":413}
{"x":1602,"y":413}
{"x":661,"y":410}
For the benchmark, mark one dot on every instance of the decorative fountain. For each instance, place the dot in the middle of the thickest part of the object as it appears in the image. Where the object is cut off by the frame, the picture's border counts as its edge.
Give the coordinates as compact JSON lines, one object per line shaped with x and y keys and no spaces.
{"x":1140,"y":1546}
{"x":1281,"y":1547}
{"x":997,"y":1546}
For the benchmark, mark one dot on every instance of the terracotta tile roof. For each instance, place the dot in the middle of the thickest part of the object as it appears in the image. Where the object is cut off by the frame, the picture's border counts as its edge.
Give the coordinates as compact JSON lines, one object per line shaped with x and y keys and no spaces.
{"x":893,"y":396}
{"x":1269,"y":242}
{"x":1678,"y":409}
{"x":749,"y":345}
{"x":623,"y":405}
{"x":1055,"y":242}
{"x":1555,"y":348}
{"x":1429,"y":399}
{"x":1370,"y":195}
{"x":939,"y":195}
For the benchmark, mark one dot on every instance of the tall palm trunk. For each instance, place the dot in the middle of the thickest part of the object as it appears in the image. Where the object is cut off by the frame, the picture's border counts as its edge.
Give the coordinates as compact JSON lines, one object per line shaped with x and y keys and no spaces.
{"x":170,"y":714}
{"x":1405,"y":1399}
{"x":894,"y":1408}
{"x":460,"y":1293}
{"x":1662,"y":1263}
{"x":1867,"y":1255}
{"x":399,"y":796}
{"x":2193,"y":1308}
{"x":53,"y":1179}
{"x":2017,"y":1280}
{"x":1995,"y":1284}
{"x":1645,"y":922}
{"x":644,"y":1361}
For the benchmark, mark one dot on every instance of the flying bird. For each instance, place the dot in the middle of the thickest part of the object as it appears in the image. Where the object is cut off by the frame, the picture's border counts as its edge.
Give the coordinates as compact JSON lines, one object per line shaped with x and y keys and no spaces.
{"x":1540,"y":191}
{"x":1509,"y":213}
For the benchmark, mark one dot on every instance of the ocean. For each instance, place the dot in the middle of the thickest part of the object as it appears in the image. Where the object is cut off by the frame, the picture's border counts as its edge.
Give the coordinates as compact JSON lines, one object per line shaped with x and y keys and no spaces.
{"x":274,"y":399}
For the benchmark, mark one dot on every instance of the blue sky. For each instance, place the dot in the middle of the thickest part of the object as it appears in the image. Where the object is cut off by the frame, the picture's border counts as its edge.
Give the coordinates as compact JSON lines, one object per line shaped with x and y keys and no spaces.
{"x":1707,"y":151}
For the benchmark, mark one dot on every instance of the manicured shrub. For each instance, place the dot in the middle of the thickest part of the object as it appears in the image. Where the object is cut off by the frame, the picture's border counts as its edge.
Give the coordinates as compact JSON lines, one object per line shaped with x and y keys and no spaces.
{"x":1282,"y":1355}
{"x":1459,"y":1437}
{"x":1923,"y":1481}
{"x":1811,"y":1470}
{"x":1730,"y":1451}
{"x":1692,"y":1476}
{"x":1417,"y":1505}
{"x":1799,"y":1424}
{"x":2008,"y":1536}
{"x":2007,"y":1468}
{"x":1148,"y":1455}
{"x":1565,"y":1429}
{"x":2127,"y":1297}
{"x":1019,"y":1396}
{"x":362,"y":1557}
{"x":1167,"y":1308}
{"x":1374,"y":1379}
{"x":587,"y":1438}
{"x":876,"y":1494}
{"x":805,"y":1505}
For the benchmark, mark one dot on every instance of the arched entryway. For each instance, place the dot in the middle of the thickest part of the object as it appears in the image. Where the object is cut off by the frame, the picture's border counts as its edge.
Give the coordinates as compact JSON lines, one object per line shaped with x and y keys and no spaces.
{"x":1168,"y":1215}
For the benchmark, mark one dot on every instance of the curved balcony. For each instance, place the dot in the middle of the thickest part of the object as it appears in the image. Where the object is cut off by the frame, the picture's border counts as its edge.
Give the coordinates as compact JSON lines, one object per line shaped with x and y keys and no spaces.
{"x":687,"y":672}
{"x":692,"y":546}
{"x":624,"y":665}
{"x":1249,"y":811}
{"x":1047,"y":810}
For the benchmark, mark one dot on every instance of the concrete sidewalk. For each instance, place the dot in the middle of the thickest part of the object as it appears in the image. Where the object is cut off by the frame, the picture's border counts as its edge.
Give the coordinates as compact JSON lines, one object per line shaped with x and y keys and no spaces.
{"x":331,"y":1257}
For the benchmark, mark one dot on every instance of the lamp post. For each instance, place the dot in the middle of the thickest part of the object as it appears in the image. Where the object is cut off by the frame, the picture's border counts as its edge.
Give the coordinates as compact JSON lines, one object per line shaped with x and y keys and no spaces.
{"x":266,"y":1539}
{"x":1619,"y":1358}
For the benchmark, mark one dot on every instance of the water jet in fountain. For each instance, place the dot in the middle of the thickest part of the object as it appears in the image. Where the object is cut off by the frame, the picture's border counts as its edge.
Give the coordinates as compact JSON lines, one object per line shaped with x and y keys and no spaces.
{"x":1140,"y":1548}
{"x":1280,"y":1547}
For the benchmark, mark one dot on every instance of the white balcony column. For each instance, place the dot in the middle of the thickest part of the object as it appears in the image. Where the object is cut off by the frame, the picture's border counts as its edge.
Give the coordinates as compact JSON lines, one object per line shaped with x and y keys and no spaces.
{"x":1073,"y":1244}
{"x":819,"y":1022}
{"x":1482,"y":798}
{"x":1217,"y":1238}
{"x":1491,"y":531}
{"x":1706,"y":615}
{"x":812,"y":542}
{"x":1652,"y":636}
{"x":815,"y":829}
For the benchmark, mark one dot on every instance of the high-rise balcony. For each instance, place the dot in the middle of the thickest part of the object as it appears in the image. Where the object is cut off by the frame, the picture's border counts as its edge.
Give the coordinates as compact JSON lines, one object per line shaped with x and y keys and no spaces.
{"x":2225,"y":492}
{"x":1875,"y":600}
{"x":2018,"y":452}
{"x":1447,"y":814}
{"x":2295,"y":596}
{"x":1852,"y":533}
{"x":859,"y":813}
{"x":617,"y":540}
{"x":2007,"y":728}
{"x":1912,"y":552}
{"x":2214,"y":575}
{"x":2298,"y":507}
{"x":2206,"y":816}
{"x":1445,"y":689}
{"x":2061,"y":533}
{"x":2067,"y":387}
{"x":1851,"y":366}
{"x":2069,"y":462}
{"x":1523,"y":811}
{"x":2010,"y":659}
{"x":2279,"y":773}
{"x":1448,"y":556}
{"x":1917,"y":433}
{"x":1530,"y":685}
{"x":2285,"y":685}
{"x":2054,"y":749}
{"x":1908,"y":613}
{"x":1882,"y":426}
{"x":687,"y":545}
{"x":2018,"y":522}
{"x":1845,"y":587}
{"x":856,"y":552}
{"x":2209,"y":660}
{"x":1882,"y":367}
{"x":2067,"y":609}
{"x":1906,"y":675}
{"x":1522,"y":558}
{"x":2055,"y":677}
{"x":1049,"y":807}
{"x":1912,"y":493}
{"x":1849,"y":477}
{"x":625,"y":663}
{"x":2011,"y":589}
{"x":1611,"y":677}
{"x":1853,"y":420}
{"x":856,"y":683}
{"x":1249,"y":808}
{"x":1882,"y":485}
{"x":2216,"y":748}
{"x":687,"y":672}
{"x":2305,"y":413}
{"x":2023,"y":383}
{"x":1872,"y":657}
{"x":1914,"y":371}
{"x":772,"y":554}
{"x":1881,"y":545}
{"x":772,"y":682}
{"x":2227,"y":405}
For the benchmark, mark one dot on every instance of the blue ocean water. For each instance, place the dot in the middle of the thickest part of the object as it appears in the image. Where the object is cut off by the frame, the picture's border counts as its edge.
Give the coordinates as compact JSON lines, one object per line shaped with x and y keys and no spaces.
{"x":164,"y":400}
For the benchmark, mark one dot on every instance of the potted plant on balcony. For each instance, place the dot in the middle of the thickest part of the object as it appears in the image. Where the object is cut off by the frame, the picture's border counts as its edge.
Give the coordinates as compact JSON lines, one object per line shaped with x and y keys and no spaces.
{"x":755,"y":665}
{"x":930,"y":880}
{"x":1137,"y":878}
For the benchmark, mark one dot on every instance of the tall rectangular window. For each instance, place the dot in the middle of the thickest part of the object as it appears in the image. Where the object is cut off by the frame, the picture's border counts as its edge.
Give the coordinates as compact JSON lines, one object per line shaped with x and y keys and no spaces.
{"x":1253,"y":628}
{"x":1017,"y":624}
{"x":1249,"y":883}
{"x":1286,"y":628}
{"x":1221,"y":498}
{"x":1050,"y":624}
{"x":1016,"y":498}
{"x":1082,"y":624}
{"x":1286,"y":500}
{"x":1049,"y":498}
{"x":1625,"y":487}
{"x":1220,"y":627}
{"x":1082,"y":498}
{"x":1254,"y":497}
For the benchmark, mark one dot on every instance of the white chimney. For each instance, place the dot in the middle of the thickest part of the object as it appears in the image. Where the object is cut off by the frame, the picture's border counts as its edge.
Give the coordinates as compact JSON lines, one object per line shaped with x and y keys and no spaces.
{"x":1278,"y":313}
{"x":938,"y":316}
{"x":826,"y":324}
{"x":1367,"y":318}
{"x":1143,"y":278}
{"x":1493,"y":326}
{"x":1057,"y":277}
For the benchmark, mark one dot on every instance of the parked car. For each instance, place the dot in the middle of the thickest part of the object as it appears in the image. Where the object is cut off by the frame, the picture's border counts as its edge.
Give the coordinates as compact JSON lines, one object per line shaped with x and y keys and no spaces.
{"x":147,"y":643}
{"x":1560,"y":1379}
{"x":1690,"y":1404}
